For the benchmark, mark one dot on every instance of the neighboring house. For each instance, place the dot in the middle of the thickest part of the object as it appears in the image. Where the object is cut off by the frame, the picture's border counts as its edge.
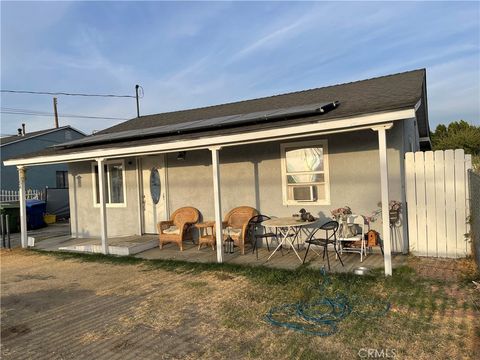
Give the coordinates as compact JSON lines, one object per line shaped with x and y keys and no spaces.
{"x":317,"y":149}
{"x":53,"y":176}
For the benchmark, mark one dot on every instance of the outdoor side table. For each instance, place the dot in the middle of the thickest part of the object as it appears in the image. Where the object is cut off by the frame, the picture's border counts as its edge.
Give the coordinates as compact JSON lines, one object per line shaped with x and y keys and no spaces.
{"x":286,"y":227}
{"x":206,"y":238}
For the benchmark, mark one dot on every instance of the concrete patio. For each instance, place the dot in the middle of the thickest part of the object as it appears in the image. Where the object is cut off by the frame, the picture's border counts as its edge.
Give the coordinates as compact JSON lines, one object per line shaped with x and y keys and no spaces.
{"x":122,"y":246}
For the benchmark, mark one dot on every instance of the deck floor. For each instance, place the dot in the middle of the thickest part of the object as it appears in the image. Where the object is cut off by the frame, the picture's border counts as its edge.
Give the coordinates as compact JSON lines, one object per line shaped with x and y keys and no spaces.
{"x":288,"y":261}
{"x":191,"y":253}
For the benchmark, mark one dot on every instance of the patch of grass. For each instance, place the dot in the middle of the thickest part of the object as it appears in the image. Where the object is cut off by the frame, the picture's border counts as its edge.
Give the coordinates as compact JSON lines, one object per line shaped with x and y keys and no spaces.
{"x":259,"y":274}
{"x":196,"y":284}
{"x":425,"y":312}
{"x":86,"y":257}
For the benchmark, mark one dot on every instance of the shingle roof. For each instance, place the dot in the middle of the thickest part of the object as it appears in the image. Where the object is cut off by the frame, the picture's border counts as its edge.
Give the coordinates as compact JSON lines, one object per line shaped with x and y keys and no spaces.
{"x":14,"y":138}
{"x":360,"y":97}
{"x":377,"y":95}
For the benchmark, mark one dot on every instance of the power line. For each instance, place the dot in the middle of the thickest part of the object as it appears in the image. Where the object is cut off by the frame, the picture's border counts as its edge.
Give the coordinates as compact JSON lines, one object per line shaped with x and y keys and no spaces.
{"x":16,"y":111}
{"x":65,"y":116}
{"x":65,"y":93}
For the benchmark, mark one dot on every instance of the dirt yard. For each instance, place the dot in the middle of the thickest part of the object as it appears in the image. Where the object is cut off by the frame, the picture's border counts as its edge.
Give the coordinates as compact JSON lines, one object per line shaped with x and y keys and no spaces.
{"x":66,"y":308}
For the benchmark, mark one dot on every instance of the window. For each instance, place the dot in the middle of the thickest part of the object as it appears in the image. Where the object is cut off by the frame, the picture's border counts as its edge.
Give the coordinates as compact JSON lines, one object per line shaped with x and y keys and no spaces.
{"x":62,"y":179}
{"x":305,"y":173}
{"x":114,"y":183}
{"x":155,"y":185}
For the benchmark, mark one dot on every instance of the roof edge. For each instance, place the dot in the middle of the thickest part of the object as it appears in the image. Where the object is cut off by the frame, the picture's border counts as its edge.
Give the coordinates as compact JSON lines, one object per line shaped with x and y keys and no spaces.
{"x":224,"y":140}
{"x":48,"y":131}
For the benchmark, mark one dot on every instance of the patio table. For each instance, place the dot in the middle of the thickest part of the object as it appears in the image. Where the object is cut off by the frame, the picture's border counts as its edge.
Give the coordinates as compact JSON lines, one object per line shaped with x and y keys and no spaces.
{"x":287,"y":226}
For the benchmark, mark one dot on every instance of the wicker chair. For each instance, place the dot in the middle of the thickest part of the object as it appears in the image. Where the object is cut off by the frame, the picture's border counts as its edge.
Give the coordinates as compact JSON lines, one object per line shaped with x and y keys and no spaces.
{"x":179,"y":228}
{"x":235,"y":225}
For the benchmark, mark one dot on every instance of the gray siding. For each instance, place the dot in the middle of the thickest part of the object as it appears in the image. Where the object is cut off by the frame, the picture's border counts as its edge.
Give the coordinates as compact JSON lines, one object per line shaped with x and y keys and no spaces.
{"x":251,"y":175}
{"x":38,"y":177}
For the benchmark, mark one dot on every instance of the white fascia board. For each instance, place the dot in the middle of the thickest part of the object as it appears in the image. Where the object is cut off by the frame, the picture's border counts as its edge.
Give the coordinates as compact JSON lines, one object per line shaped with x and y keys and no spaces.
{"x":296,"y":131}
{"x":418,"y":104}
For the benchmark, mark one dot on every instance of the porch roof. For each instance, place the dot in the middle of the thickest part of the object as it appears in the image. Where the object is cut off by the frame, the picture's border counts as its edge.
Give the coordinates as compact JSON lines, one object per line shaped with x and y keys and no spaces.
{"x":386,"y":98}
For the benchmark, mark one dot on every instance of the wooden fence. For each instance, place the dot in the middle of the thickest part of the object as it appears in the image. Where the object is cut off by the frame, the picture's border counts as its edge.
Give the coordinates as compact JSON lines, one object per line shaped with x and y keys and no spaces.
{"x":474,"y":182}
{"x":437,"y":202}
{"x":12,"y":195}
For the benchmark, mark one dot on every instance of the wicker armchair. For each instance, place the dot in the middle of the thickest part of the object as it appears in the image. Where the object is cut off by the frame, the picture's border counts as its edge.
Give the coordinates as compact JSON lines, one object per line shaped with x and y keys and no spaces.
{"x":179,"y":228}
{"x":235,"y":224}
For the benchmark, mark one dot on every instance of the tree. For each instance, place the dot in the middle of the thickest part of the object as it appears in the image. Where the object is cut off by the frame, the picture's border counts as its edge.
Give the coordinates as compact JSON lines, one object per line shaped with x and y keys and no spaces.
{"x":458,"y":135}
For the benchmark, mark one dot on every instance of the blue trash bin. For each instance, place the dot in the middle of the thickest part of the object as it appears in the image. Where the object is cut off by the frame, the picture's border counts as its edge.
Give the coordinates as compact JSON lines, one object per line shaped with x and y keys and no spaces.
{"x":35,"y":211}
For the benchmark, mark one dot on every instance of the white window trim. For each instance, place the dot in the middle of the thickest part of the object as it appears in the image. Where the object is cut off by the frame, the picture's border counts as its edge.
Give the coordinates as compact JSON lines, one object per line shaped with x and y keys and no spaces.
{"x":283,"y":148}
{"x":107,"y":179}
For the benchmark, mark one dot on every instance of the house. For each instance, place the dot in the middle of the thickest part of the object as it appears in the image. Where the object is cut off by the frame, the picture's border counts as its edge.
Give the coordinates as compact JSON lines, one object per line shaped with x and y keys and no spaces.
{"x":317,"y":149}
{"x":53,"y":176}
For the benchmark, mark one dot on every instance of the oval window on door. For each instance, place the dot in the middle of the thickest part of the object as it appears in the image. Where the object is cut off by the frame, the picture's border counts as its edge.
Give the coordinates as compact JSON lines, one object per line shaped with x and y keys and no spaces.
{"x":155,"y":187}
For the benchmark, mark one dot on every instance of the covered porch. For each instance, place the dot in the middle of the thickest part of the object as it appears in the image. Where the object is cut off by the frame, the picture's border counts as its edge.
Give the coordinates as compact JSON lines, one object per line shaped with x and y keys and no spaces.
{"x":377,"y":124}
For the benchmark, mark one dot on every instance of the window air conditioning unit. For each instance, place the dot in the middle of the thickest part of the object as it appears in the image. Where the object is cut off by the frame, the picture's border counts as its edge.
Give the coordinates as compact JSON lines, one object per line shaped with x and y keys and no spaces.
{"x":304,"y":193}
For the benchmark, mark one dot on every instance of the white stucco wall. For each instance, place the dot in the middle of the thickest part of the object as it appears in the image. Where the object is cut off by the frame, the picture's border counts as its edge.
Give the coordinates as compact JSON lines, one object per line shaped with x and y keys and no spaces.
{"x":85,"y":216}
{"x":251,"y":175}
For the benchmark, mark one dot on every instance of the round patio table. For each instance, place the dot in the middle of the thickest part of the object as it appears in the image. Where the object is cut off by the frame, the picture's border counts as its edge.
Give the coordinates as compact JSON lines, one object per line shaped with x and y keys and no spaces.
{"x":287,"y":226}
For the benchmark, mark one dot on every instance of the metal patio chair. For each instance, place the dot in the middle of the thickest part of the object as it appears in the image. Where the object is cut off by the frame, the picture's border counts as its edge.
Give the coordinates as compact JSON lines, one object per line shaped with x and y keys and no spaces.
{"x":332,"y":227}
{"x":254,"y":228}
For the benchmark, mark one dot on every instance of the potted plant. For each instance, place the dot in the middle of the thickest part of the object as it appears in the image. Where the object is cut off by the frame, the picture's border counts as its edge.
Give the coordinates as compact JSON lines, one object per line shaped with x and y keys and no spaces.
{"x":341,"y":215}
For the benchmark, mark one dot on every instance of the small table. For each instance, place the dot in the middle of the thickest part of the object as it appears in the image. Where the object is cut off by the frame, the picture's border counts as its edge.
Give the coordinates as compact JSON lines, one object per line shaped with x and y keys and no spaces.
{"x":204,"y":237}
{"x":287,"y":226}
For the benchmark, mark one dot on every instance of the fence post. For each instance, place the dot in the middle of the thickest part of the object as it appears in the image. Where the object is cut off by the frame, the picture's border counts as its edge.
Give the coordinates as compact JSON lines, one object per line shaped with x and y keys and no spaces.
{"x":460,"y":200}
{"x":468,"y":168}
{"x":430,"y":204}
{"x":440,"y":204}
{"x":411,"y":201}
{"x":422,"y":241}
{"x":474,"y":184}
{"x":450,"y":219}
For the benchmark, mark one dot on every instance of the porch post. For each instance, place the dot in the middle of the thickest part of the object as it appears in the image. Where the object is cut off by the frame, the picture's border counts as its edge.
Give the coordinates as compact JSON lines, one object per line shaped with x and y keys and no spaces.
{"x":23,"y":205}
{"x":387,"y":247}
{"x":103,"y":206}
{"x":74,"y":206}
{"x":217,"y":202}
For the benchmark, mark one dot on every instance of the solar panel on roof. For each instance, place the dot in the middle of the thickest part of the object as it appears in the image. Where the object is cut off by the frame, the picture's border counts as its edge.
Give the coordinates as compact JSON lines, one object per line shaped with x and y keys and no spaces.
{"x":207,"y":124}
{"x":199,"y":124}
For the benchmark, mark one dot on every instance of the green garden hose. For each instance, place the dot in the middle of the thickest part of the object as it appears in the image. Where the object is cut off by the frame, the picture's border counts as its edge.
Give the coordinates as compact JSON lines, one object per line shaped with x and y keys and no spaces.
{"x":322,"y":316}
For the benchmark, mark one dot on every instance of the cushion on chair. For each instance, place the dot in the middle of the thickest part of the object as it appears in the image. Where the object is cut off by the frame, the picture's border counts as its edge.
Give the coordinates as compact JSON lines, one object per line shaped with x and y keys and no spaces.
{"x":232,"y":231}
{"x":172,"y":230}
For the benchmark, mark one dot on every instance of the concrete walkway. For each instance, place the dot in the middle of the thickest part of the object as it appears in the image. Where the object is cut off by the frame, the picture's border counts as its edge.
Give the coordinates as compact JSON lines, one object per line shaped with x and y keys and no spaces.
{"x":48,"y":232}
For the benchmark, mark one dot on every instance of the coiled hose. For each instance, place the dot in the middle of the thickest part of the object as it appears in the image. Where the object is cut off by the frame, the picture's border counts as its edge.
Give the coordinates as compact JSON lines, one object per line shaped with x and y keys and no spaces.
{"x":322,"y":316}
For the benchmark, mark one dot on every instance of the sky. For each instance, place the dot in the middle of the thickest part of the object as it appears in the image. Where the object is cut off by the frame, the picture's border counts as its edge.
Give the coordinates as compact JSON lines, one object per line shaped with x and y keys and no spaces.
{"x":194,"y":54}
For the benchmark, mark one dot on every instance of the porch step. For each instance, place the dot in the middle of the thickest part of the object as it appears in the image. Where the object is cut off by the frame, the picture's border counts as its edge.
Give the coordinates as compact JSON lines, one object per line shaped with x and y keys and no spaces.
{"x":129,"y":248}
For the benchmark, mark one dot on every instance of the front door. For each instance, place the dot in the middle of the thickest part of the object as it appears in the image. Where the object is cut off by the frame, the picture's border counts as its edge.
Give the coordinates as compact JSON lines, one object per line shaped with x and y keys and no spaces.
{"x":154,"y":192}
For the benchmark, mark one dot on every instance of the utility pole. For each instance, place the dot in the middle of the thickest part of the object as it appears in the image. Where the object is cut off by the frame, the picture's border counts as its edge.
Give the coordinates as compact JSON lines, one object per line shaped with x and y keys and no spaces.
{"x":55,"y":111}
{"x":136,"y":96}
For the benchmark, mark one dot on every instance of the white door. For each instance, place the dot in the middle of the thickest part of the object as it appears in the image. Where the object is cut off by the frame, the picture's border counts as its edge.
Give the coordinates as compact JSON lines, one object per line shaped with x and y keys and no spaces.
{"x":154,"y":192}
